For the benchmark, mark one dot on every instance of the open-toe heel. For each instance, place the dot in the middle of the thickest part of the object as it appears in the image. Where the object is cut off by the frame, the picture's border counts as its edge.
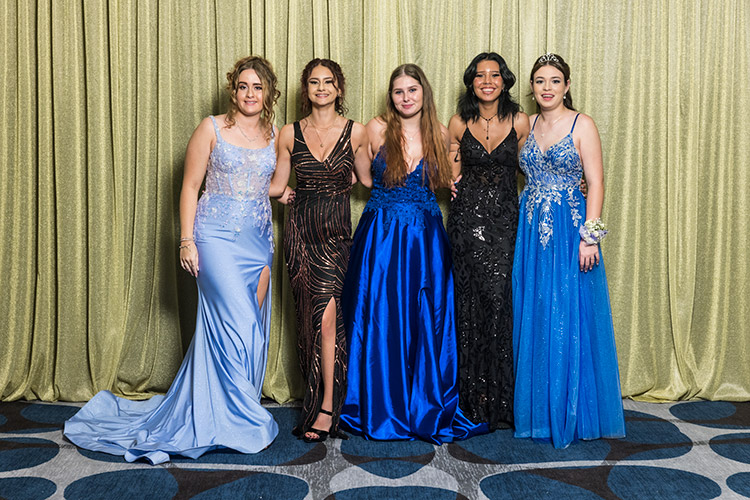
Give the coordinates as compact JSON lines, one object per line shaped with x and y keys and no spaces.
{"x":322,"y":435}
{"x":337,"y":434}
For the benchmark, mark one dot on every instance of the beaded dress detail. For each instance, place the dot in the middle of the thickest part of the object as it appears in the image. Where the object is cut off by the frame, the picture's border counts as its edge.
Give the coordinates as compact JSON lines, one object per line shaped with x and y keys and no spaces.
{"x":237,"y":188}
{"x":409,"y":203}
{"x":482,"y":228}
{"x":567,"y":378}
{"x":552,"y":178}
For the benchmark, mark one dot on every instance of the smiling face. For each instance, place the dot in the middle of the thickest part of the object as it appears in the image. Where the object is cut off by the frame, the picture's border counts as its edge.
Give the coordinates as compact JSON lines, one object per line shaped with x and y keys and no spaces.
{"x":249,"y":93}
{"x":488,"y":82}
{"x":406,"y":95}
{"x":549,"y":87}
{"x":321,"y":86}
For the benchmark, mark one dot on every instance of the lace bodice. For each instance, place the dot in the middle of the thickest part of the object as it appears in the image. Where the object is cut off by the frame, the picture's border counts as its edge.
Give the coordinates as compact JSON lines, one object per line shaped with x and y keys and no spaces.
{"x":237,"y":182}
{"x":551,"y":177}
{"x":407,"y":203}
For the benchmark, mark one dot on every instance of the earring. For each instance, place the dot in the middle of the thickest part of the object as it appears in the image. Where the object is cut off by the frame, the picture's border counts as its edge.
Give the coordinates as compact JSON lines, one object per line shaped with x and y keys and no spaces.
{"x":565,"y":96}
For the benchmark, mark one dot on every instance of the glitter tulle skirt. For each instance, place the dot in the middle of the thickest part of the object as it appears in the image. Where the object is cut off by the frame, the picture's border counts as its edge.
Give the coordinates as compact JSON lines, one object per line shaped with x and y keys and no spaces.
{"x":567,"y":379}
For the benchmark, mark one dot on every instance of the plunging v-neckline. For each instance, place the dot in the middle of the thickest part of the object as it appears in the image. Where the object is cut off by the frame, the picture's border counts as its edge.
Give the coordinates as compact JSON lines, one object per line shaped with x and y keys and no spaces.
{"x":324,"y":160}
{"x":379,"y":153}
{"x":489,"y":153}
{"x":551,"y":145}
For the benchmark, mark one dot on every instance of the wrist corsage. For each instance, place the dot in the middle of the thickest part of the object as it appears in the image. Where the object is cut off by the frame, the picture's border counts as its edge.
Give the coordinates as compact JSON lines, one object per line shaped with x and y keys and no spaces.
{"x":593,"y":231}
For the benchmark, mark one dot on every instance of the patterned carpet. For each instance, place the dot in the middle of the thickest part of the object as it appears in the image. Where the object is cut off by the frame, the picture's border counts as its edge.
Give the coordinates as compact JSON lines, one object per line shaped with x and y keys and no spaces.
{"x":693,"y":450}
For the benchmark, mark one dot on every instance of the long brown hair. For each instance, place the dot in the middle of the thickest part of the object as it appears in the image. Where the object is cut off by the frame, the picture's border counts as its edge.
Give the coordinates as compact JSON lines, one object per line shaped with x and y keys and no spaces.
{"x":264,"y":70}
{"x":434,"y":150}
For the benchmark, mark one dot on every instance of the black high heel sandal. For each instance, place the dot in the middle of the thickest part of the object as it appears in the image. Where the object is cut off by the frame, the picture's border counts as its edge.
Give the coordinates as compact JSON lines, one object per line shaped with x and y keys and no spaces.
{"x":322,"y":435}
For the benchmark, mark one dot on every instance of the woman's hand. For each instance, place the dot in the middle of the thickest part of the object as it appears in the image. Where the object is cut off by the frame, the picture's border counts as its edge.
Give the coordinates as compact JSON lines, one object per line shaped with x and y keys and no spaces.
{"x":287,"y":197}
{"x":189,"y":257}
{"x":584,"y":186}
{"x":588,"y":255}
{"x":454,"y":187}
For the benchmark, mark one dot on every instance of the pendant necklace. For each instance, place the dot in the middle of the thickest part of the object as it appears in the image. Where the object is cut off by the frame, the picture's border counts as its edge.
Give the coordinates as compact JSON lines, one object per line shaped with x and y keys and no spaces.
{"x":245,"y":135}
{"x":318,"y":133}
{"x":411,"y":138}
{"x":487,"y":120}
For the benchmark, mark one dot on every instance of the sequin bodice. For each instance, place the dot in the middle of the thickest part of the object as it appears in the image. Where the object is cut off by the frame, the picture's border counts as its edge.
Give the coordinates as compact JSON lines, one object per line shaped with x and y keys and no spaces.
{"x":489,"y":170}
{"x":551,"y":178}
{"x":409,"y":202}
{"x":237,"y":182}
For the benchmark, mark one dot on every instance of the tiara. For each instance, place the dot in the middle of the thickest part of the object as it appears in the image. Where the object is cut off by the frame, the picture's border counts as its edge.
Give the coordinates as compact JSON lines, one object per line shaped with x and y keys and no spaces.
{"x":548,"y":57}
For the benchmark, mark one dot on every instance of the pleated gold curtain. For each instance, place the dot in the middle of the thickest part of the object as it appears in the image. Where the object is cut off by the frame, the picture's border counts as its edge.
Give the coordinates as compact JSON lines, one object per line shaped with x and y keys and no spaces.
{"x":99,"y":98}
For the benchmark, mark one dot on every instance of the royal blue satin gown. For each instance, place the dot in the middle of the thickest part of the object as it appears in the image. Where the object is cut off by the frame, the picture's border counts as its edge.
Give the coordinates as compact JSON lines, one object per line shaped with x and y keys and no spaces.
{"x":398,"y":307}
{"x":567,"y":379}
{"x":214,"y":400}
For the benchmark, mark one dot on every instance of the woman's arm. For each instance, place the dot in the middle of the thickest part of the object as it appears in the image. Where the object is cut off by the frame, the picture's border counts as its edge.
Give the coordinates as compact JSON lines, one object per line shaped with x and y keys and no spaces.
{"x":590,"y":146}
{"x":284,"y":146}
{"x":523,"y":127}
{"x":196,"y":161}
{"x":456,"y":127}
{"x":376,"y":134}
{"x":362,"y":154}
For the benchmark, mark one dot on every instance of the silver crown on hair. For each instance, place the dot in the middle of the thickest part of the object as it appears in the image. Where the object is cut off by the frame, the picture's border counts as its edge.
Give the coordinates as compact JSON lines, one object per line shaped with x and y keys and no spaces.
{"x":548,"y":57}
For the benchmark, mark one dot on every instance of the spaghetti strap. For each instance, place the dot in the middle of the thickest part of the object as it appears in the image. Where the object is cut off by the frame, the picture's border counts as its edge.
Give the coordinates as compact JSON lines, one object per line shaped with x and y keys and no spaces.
{"x":574,"y":122}
{"x":458,"y":151}
{"x":216,"y":128}
{"x":534,"y":125}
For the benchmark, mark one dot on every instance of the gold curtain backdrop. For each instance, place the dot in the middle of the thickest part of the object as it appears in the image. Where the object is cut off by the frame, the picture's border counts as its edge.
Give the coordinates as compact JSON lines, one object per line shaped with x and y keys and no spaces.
{"x":99,"y":98}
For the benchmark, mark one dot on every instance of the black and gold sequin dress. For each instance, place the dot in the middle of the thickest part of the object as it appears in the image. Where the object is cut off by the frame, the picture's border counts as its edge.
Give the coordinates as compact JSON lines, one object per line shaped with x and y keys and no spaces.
{"x":317,"y":240}
{"x":482,"y":228}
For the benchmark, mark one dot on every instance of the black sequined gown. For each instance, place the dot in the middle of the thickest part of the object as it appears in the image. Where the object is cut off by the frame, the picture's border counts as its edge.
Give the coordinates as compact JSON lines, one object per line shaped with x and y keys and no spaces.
{"x":317,"y":238}
{"x":482,"y":228}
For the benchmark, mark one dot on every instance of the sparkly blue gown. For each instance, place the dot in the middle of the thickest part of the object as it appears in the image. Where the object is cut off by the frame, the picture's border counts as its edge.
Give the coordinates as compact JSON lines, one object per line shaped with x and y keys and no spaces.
{"x":567,"y":379}
{"x":398,"y":306}
{"x":214,"y":400}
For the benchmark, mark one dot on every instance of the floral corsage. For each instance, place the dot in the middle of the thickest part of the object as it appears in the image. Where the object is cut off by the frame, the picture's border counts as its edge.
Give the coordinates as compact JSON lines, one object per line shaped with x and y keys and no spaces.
{"x":593,"y":231}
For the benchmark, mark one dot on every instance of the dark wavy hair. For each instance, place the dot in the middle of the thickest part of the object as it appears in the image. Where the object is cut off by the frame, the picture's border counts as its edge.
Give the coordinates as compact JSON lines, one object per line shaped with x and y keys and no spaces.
{"x":468,"y":103}
{"x":339,"y":82}
{"x":268,"y":80}
{"x":556,"y":61}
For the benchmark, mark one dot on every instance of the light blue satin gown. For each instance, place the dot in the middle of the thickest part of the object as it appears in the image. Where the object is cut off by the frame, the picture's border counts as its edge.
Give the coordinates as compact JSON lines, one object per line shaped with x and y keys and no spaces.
{"x":214,"y":400}
{"x":567,"y":379}
{"x":398,"y":306}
